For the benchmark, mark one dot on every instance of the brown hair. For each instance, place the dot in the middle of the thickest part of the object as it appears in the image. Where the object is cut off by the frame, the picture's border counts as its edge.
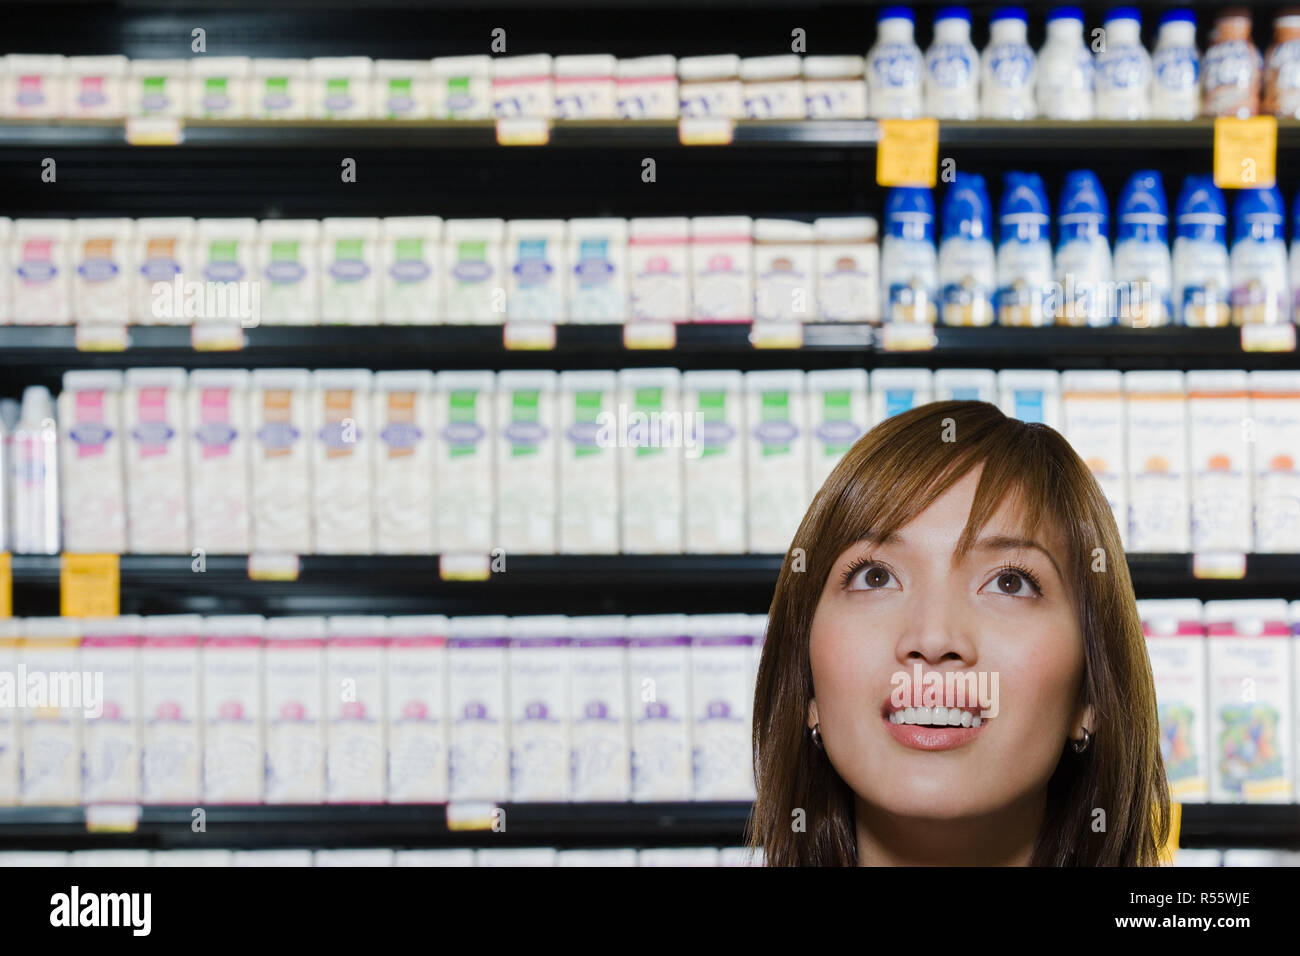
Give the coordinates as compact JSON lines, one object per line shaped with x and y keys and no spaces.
{"x":887,"y":478}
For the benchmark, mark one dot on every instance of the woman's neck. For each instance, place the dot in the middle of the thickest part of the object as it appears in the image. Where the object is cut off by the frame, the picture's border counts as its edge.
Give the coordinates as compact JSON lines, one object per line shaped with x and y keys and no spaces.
{"x":1004,"y":838}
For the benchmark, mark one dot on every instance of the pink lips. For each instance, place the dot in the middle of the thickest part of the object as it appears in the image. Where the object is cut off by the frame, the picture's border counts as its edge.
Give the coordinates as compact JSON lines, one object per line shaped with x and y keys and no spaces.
{"x":932,"y":738}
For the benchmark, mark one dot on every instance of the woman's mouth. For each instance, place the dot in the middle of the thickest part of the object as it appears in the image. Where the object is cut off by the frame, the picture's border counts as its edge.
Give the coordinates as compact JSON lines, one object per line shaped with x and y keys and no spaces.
{"x":933,"y":728}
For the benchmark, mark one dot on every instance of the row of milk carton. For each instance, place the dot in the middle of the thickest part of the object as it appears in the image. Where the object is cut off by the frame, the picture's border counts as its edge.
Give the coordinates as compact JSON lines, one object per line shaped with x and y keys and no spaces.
{"x":422,"y":269}
{"x":242,"y":709}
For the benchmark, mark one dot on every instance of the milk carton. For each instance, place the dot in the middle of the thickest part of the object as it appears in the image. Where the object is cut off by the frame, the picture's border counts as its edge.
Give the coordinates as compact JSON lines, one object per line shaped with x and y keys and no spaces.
{"x":967,"y":260}
{"x":234,"y":749}
{"x":93,"y":88}
{"x":1093,"y":419}
{"x":281,"y":460}
{"x":784,"y":271}
{"x":966,"y":385}
{"x":585,"y":86}
{"x":34,"y":85}
{"x":536,"y":269}
{"x":525,"y":462}
{"x":162,"y":256}
{"x":710,"y":87}
{"x":722,"y":268}
{"x":93,"y":493}
{"x":1275,"y":410}
{"x":713,"y":405}
{"x":42,"y":262}
{"x":596,"y":280}
{"x":773,"y":87}
{"x":349,"y":259}
{"x":658,"y":269}
{"x":1159,"y":508}
{"x":218,"y":87}
{"x":288,"y":259}
{"x":409,"y":254}
{"x":157,"y":499}
{"x":462,"y":87}
{"x":1031,"y":396}
{"x":340,"y":87}
{"x":539,"y":708}
{"x":10,"y":747}
{"x":895,"y":67}
{"x":1176,"y":647}
{"x":835,"y":87}
{"x":279,"y":89}
{"x":522,"y":86}
{"x":1202,"y":283}
{"x":171,"y":748}
{"x":466,"y":497}
{"x":908,"y":261}
{"x":477,"y":668}
{"x":101,"y":280}
{"x":1252,"y":711}
{"x":658,"y":671}
{"x":895,"y":390}
{"x":650,"y":463}
{"x":1009,"y":68}
{"x":157,"y":87}
{"x":848,"y":269}
{"x":1218,"y":406}
{"x":6,"y":256}
{"x":111,"y":768}
{"x":1260,"y":291}
{"x":588,"y":463}
{"x":32,"y":474}
{"x":647,"y":88}
{"x":417,"y":709}
{"x":341,"y":462}
{"x":356,"y":756}
{"x":601,"y":745}
{"x":952,"y":68}
{"x":473,"y":268}
{"x":218,"y":442}
{"x":295,"y":698}
{"x":225,"y":258}
{"x":776,"y":457}
{"x":839,"y":413}
{"x":403,"y":470}
{"x":721,"y":705}
{"x":401,"y":90}
{"x":50,"y":730}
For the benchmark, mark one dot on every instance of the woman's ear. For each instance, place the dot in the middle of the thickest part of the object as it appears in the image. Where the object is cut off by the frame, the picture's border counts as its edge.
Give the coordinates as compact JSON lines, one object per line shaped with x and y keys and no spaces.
{"x":812,"y":713}
{"x":1083,"y":719}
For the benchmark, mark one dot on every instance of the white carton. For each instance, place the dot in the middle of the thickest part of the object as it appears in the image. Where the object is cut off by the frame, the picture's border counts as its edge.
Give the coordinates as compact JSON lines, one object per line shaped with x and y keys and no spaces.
{"x":659,"y":666}
{"x":403,"y":451}
{"x":225,"y":258}
{"x":192,"y":858}
{"x":111,"y":747}
{"x":1159,"y":508}
{"x":34,"y":85}
{"x":522,"y":86}
{"x":218,"y":87}
{"x":839,"y":413}
{"x":722,"y":268}
{"x":364,"y":856}
{"x":647,"y":87}
{"x":356,"y":756}
{"x":278,"y":89}
{"x":10,"y":750}
{"x":462,"y":87}
{"x":93,"y":88}
{"x":466,"y":496}
{"x":526,"y":468}
{"x":679,"y":856}
{"x":42,"y":272}
{"x":588,"y":463}
{"x":776,"y":457}
{"x":540,"y":856}
{"x":92,"y":489}
{"x":234,"y":749}
{"x":476,"y":668}
{"x":713,"y":406}
{"x":602,"y":768}
{"x":171,"y":747}
{"x":295,"y":698}
{"x":596,"y":288}
{"x":349,"y":286}
{"x":835,"y":87}
{"x":7,"y":254}
{"x":1031,"y":395}
{"x":157,"y":87}
{"x":968,"y":385}
{"x":1252,"y":713}
{"x":848,"y":269}
{"x":340,"y":87}
{"x":538,"y":695}
{"x":709,"y":86}
{"x":272,"y":858}
{"x":658,"y":268}
{"x":1218,"y":405}
{"x":1275,"y":409}
{"x":438,"y":858}
{"x":1093,"y":421}
{"x":342,"y":517}
{"x":603,"y":858}
{"x":50,"y":730}
{"x":785,"y":271}
{"x":1295,"y":682}
{"x":281,"y":475}
{"x":157,"y":487}
{"x":402,"y":90}
{"x":585,"y":86}
{"x":773,"y":87}
{"x":410,"y":270}
{"x":895,"y":390}
{"x":101,"y":277}
{"x":721,"y":702}
{"x":288,"y":262}
{"x":536,"y":269}
{"x":163,"y":253}
{"x":650,"y":460}
{"x":473,"y":269}
{"x":417,"y":709}
{"x":219,"y":442}
{"x":1176,"y":646}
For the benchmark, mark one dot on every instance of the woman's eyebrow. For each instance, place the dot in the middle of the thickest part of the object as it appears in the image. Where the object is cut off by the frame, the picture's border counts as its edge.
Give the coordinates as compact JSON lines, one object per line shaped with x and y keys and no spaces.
{"x":1004,"y":542}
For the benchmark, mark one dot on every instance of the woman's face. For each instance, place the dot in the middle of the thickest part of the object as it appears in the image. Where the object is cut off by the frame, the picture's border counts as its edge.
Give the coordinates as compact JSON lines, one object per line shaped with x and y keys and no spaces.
{"x":1003,"y":612}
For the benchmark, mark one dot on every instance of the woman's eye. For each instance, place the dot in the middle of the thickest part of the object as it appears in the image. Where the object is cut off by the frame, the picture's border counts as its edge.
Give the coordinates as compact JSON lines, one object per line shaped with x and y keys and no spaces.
{"x":1014,"y":584}
{"x":871,"y":578}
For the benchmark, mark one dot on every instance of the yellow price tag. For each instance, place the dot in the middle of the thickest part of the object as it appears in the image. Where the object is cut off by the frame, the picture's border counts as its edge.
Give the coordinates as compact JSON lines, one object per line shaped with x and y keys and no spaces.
{"x":89,"y":585}
{"x":1245,"y":152}
{"x":6,"y":584}
{"x":908,"y":153}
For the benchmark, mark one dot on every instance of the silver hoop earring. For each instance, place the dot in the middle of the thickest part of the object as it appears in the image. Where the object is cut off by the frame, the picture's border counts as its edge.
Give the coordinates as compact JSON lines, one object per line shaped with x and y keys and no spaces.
{"x":817,"y":736}
{"x":1083,"y":742}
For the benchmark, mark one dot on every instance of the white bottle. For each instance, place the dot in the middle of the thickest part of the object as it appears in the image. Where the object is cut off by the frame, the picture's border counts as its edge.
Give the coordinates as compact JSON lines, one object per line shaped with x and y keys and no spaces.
{"x":1065,"y":70}
{"x":952,"y":68}
{"x":895,"y":67}
{"x":1176,"y":68}
{"x":34,"y":474}
{"x":1123,"y":69}
{"x":1008,"y":68}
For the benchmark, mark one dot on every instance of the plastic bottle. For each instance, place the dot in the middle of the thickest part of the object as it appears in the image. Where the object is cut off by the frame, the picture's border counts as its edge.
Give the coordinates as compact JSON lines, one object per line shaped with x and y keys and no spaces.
{"x":1123,"y":68}
{"x":1008,"y":68}
{"x":1260,"y":290}
{"x":1282,"y":68}
{"x":952,"y":68}
{"x":1230,"y":73}
{"x":1201,"y":291}
{"x":908,"y":263}
{"x":1083,"y":263}
{"x":895,"y":67}
{"x":1065,"y":70}
{"x":1176,"y":68}
{"x":1295,"y":260}
{"x":1143,"y":268}
{"x":34,"y":474}
{"x":1024,"y":251}
{"x":967,"y":262}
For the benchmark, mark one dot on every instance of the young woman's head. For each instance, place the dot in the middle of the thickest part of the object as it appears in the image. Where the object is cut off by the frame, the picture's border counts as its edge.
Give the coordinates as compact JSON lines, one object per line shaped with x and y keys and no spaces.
{"x":955,"y":670}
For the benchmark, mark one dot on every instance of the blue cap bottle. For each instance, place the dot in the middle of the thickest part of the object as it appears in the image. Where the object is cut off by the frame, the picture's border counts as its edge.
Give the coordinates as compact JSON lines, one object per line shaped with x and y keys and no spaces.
{"x":1200,"y":260}
{"x":1143,"y":268}
{"x":1259,"y":258}
{"x":1083,"y":263}
{"x":967,"y":263}
{"x":908,"y":262}
{"x":1024,"y":251}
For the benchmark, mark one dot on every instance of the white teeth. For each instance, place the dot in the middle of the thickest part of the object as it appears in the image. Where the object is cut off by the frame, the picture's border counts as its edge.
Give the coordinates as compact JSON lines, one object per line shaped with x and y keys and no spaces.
{"x":975,"y":721}
{"x":954,"y":717}
{"x":940,"y":715}
{"x":909,"y":715}
{"x":934,"y":717}
{"x":895,"y":717}
{"x":924,"y":715}
{"x":965,"y":718}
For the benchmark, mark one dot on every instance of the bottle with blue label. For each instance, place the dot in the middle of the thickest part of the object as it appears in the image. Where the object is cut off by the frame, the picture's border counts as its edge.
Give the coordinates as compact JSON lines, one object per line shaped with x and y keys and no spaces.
{"x":895,"y":67}
{"x":967,"y":261}
{"x":1123,"y":68}
{"x":1065,"y":70}
{"x":1176,"y":68}
{"x":908,"y":262}
{"x":1143,"y":269}
{"x":1084,"y":282}
{"x":1008,"y":68}
{"x":952,"y":68}
{"x":1200,"y":260}
{"x":1260,"y":290}
{"x":1024,"y":252}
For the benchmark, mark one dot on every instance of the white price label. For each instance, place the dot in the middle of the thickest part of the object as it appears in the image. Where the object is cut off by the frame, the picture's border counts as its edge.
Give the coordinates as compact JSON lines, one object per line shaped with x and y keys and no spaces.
{"x":523,"y":131}
{"x":706,"y":130}
{"x":101,"y":337}
{"x":776,"y":335}
{"x":154,"y":131}
{"x":907,"y":337}
{"x":273,"y":567}
{"x":529,"y":335}
{"x":217,"y":336}
{"x":1268,"y":338}
{"x":1220,"y":565}
{"x":649,"y":335}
